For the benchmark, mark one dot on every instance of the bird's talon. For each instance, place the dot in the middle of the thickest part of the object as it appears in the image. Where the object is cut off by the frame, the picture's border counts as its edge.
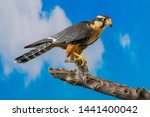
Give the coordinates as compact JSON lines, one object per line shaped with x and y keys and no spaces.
{"x":83,"y":61}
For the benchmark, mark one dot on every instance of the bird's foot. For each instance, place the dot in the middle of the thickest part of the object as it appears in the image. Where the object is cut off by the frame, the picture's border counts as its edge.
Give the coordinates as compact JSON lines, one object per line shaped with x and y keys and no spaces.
{"x":81,"y":60}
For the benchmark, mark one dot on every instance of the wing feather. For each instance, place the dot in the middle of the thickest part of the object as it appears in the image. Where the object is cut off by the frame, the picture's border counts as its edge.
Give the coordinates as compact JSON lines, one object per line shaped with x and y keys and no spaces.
{"x":74,"y":33}
{"x":40,"y":42}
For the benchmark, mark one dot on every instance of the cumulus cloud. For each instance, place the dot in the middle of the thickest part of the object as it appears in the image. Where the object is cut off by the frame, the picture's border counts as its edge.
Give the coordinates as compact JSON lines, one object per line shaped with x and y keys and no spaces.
{"x":125,"y":42}
{"x":20,"y":25}
{"x":22,"y":22}
{"x":93,"y":55}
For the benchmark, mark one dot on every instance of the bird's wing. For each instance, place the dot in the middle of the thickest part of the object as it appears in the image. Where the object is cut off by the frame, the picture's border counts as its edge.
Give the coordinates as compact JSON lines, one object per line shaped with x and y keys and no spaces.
{"x":40,"y":42}
{"x":74,"y":33}
{"x":70,"y":34}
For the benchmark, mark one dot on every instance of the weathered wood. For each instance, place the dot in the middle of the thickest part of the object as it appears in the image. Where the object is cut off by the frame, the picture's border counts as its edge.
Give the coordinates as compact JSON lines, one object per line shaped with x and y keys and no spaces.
{"x":86,"y":80}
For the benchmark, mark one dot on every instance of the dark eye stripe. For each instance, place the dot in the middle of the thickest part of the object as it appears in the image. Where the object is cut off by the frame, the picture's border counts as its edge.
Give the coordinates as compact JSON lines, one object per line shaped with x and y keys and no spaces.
{"x":99,"y":19}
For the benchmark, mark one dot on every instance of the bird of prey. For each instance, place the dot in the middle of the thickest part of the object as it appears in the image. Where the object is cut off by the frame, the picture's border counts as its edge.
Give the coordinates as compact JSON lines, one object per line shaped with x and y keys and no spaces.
{"x":74,"y":39}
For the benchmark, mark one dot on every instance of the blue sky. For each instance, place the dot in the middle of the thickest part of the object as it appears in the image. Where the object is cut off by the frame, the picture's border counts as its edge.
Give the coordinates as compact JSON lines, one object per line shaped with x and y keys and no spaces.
{"x":122,"y":53}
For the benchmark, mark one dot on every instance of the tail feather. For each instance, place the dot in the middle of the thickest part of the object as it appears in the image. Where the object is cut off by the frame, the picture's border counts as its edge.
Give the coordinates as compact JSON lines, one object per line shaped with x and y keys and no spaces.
{"x":39,"y":50}
{"x":33,"y":53}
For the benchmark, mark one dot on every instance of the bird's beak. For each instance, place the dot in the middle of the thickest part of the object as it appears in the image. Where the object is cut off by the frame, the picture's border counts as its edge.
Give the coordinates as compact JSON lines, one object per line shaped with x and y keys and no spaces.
{"x":109,"y":22}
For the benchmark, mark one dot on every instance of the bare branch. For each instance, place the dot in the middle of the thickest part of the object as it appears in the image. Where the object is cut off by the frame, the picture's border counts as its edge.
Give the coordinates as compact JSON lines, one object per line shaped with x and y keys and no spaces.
{"x":86,"y":80}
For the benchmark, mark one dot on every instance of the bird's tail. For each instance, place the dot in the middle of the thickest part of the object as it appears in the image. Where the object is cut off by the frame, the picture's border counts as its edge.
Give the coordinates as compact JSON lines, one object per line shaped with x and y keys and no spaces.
{"x":37,"y":51}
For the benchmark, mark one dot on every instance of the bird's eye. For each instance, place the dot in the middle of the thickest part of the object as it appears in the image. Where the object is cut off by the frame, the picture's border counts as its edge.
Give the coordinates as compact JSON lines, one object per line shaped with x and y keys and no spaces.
{"x":104,"y":19}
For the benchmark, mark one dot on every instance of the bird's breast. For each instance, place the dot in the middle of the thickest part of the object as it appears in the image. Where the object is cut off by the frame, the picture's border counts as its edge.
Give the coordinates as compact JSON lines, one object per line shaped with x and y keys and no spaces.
{"x":95,"y":35}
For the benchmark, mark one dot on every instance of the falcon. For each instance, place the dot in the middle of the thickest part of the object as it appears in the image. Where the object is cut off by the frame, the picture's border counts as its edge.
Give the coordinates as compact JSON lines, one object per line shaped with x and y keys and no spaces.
{"x":73,"y":39}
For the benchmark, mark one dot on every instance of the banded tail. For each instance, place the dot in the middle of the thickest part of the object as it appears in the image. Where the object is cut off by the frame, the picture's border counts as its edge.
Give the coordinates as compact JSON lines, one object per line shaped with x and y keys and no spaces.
{"x":40,"y":47}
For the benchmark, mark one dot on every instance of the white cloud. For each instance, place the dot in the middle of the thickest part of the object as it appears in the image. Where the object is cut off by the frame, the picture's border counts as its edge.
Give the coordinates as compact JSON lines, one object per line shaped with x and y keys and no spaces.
{"x":93,"y":55}
{"x":7,"y":69}
{"x":125,"y":41}
{"x":20,"y":24}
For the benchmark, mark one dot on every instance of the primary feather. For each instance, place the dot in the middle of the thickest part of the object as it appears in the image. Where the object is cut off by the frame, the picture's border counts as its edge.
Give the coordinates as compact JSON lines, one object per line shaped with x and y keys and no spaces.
{"x":43,"y":41}
{"x":74,"y":33}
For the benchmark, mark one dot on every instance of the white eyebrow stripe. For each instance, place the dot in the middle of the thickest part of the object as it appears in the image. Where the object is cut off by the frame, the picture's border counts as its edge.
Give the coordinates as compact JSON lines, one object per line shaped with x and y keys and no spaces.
{"x":99,"y":16}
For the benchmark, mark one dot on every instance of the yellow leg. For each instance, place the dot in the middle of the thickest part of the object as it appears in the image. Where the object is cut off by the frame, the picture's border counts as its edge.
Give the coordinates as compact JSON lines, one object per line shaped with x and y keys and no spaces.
{"x":83,"y":61}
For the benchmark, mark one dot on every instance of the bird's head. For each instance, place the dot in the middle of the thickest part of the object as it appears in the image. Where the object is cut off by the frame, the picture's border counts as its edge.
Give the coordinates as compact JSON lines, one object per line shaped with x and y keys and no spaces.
{"x":102,"y":21}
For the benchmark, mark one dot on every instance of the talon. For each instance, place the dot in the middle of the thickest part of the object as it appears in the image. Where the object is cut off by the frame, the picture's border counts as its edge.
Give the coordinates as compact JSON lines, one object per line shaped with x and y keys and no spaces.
{"x":83,"y":61}
{"x":80,"y":58}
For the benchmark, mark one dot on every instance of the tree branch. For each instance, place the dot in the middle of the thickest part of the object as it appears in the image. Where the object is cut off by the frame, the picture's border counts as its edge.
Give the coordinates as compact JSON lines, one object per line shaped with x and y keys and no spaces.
{"x":86,"y":80}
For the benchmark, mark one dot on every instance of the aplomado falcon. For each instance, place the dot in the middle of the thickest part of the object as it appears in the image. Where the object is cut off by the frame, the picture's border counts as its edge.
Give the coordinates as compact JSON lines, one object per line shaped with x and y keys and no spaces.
{"x":74,"y":39}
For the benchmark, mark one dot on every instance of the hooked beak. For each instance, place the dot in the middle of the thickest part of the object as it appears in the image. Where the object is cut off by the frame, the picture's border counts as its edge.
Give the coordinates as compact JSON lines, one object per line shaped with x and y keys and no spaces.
{"x":108,"y":22}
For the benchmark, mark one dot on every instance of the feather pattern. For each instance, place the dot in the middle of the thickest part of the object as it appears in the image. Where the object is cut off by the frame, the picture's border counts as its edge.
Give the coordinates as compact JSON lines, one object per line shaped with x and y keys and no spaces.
{"x":42,"y":41}
{"x":39,"y":50}
{"x":74,"y":33}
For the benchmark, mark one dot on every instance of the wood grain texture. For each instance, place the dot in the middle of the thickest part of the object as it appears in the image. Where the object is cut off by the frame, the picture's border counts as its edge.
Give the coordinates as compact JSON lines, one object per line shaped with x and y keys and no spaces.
{"x":101,"y":85}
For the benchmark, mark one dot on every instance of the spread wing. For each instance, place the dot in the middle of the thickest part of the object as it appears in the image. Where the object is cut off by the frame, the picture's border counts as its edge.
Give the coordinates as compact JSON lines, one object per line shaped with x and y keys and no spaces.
{"x":74,"y":33}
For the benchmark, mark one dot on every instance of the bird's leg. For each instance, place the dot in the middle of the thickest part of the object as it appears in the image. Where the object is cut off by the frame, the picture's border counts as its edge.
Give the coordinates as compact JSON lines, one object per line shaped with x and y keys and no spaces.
{"x":80,"y":58}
